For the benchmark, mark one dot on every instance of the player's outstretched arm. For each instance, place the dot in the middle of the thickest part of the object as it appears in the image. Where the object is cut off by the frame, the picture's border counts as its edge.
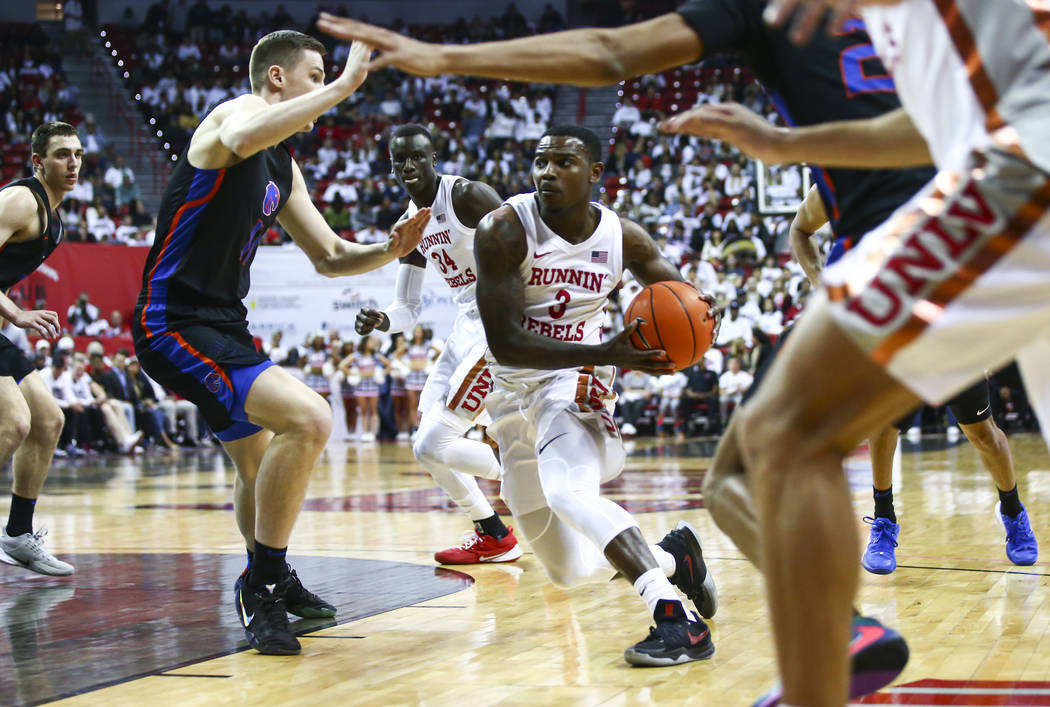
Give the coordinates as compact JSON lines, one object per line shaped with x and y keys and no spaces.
{"x":808,"y":219}
{"x":499,"y":248}
{"x":887,"y":141}
{"x":403,"y":313}
{"x":18,"y":213}
{"x":247,"y":124}
{"x":331,"y":255}
{"x":581,"y":57}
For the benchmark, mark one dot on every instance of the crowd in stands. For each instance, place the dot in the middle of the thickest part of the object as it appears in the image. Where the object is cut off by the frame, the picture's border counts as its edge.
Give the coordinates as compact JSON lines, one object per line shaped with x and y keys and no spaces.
{"x":105,"y":206}
{"x":700,"y":200}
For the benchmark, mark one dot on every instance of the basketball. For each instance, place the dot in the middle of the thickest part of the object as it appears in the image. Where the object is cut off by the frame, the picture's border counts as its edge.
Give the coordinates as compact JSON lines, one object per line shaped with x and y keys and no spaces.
{"x":674,"y":319}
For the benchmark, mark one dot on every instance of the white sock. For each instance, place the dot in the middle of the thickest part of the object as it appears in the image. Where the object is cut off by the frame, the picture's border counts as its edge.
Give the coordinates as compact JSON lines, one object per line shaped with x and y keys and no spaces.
{"x":653,"y":586}
{"x":664,"y":559}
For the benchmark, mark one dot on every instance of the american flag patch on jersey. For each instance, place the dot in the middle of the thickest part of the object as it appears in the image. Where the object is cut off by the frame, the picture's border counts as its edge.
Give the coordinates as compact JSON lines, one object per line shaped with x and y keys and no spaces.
{"x":599,"y":256}
{"x":441,"y":218}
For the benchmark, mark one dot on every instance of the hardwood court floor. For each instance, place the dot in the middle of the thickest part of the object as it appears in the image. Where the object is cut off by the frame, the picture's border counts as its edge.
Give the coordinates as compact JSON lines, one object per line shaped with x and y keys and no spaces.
{"x":149,"y":618}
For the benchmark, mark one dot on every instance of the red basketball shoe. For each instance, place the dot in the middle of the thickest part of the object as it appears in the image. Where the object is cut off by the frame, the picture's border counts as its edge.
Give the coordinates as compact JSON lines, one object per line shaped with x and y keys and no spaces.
{"x":476,"y":548}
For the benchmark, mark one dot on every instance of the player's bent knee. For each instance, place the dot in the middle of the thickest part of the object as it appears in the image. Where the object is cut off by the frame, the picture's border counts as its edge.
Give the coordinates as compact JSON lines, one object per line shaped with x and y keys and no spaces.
{"x":15,"y":428}
{"x":50,"y":423}
{"x":311,"y":421}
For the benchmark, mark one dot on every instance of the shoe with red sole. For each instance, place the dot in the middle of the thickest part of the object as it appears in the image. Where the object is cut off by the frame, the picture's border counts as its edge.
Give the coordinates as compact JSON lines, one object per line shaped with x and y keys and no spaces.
{"x":478,"y":548}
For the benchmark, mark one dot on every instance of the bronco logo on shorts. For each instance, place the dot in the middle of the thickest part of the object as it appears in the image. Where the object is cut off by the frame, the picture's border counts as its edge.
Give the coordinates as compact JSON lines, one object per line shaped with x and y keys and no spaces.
{"x":213,"y":382}
{"x":272,"y":199}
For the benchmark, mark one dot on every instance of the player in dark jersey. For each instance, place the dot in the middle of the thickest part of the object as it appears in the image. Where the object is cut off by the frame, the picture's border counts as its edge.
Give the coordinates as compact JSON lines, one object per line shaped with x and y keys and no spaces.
{"x":971,"y":409}
{"x":232,"y":182}
{"x":30,"y":418}
{"x":809,"y":85}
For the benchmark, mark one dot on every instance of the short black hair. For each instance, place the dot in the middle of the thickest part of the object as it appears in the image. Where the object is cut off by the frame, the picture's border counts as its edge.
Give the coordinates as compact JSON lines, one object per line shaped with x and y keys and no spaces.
{"x":410,"y":130}
{"x":588,"y":137}
{"x":45,"y":131}
{"x":282,"y":48}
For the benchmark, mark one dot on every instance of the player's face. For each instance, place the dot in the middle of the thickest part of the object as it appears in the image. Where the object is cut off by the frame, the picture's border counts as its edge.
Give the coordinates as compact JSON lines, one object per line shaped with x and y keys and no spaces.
{"x":304,"y":76}
{"x":563,"y":172}
{"x":414,"y":163}
{"x":60,"y":168}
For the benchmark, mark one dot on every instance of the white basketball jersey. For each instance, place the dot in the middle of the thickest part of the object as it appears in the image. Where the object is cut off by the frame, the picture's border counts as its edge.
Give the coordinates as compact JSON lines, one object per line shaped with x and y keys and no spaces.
{"x":567,"y":285}
{"x":448,"y":245}
{"x":969,"y":72}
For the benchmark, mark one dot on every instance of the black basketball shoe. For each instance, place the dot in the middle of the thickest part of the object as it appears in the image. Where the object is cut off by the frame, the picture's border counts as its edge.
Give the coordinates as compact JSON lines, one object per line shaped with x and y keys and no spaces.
{"x":265,"y":620}
{"x":299,"y":600}
{"x":675,"y":639}
{"x":691,"y":575}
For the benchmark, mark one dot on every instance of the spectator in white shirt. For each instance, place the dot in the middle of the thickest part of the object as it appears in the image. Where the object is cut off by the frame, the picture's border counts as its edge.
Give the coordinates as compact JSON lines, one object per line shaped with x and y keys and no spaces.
{"x":344,"y":189}
{"x":737,"y":182}
{"x":327,"y":154}
{"x":637,"y":390}
{"x":732,"y":385}
{"x":734,"y":327}
{"x":627,"y":114}
{"x":188,"y":50}
{"x":771,"y":321}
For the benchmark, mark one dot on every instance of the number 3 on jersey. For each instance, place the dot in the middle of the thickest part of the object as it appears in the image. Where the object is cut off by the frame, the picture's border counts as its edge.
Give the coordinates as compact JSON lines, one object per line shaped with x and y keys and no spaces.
{"x":557,"y":311}
{"x":443,"y":261}
{"x":851,"y":64}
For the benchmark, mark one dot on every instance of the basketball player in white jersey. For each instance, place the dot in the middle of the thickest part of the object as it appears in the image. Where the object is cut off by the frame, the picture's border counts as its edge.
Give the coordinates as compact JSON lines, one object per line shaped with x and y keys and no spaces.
{"x":956,"y":281}
{"x":547,"y":262}
{"x":453,"y":398}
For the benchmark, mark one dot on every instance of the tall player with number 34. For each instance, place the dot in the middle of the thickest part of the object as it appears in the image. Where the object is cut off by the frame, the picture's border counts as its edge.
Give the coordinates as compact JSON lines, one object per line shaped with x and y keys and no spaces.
{"x":453,"y":399}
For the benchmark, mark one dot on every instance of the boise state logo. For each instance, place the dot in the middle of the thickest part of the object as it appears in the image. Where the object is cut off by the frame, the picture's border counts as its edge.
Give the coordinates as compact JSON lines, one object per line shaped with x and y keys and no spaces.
{"x":213,"y":381}
{"x":272,"y":198}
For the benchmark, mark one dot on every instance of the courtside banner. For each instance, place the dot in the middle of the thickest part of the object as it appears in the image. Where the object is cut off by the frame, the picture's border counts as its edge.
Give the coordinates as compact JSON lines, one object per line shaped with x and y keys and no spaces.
{"x":288,"y":295}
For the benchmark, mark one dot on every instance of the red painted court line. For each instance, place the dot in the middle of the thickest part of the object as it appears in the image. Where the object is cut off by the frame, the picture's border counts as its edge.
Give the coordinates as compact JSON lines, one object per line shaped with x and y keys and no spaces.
{"x":964,"y":692}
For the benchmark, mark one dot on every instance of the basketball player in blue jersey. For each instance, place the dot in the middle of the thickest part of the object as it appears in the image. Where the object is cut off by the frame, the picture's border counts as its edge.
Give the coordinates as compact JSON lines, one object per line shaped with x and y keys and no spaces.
{"x":232,"y":182}
{"x":30,"y":418}
{"x":453,"y":398}
{"x":547,"y":262}
{"x":971,"y":409}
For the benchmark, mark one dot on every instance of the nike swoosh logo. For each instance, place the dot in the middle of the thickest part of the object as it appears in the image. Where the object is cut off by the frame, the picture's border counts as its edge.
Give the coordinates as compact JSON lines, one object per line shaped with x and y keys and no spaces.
{"x":693,"y":640}
{"x":244,"y":614}
{"x":689,"y":566}
{"x":541,"y":255}
{"x":549,"y":443}
{"x":981,"y":412}
{"x":867,"y":636}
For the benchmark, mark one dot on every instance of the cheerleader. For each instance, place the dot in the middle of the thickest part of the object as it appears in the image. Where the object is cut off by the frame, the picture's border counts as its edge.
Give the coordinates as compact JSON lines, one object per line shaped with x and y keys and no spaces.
{"x":367,"y":366}
{"x":418,"y":370}
{"x":399,"y":368}
{"x":316,"y":367}
{"x":346,"y":389}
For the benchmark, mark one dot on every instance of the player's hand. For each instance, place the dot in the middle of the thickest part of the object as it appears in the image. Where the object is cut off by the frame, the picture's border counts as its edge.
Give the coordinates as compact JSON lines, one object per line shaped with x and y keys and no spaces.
{"x":805,"y":15}
{"x":409,"y":55}
{"x":733,"y":123}
{"x":716,"y":311}
{"x":356,"y":69}
{"x":621,"y":352}
{"x":406,"y":234}
{"x":43,"y":321}
{"x":369,"y":319}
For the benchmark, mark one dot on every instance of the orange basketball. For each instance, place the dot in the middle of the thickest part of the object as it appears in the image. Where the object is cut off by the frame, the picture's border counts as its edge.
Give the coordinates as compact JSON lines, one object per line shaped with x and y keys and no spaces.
{"x":674,"y":319}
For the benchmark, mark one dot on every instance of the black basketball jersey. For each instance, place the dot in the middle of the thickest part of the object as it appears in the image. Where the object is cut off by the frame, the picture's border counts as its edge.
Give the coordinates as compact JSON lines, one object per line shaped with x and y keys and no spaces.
{"x":837,"y":77}
{"x":208,"y":229}
{"x":20,"y":259}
